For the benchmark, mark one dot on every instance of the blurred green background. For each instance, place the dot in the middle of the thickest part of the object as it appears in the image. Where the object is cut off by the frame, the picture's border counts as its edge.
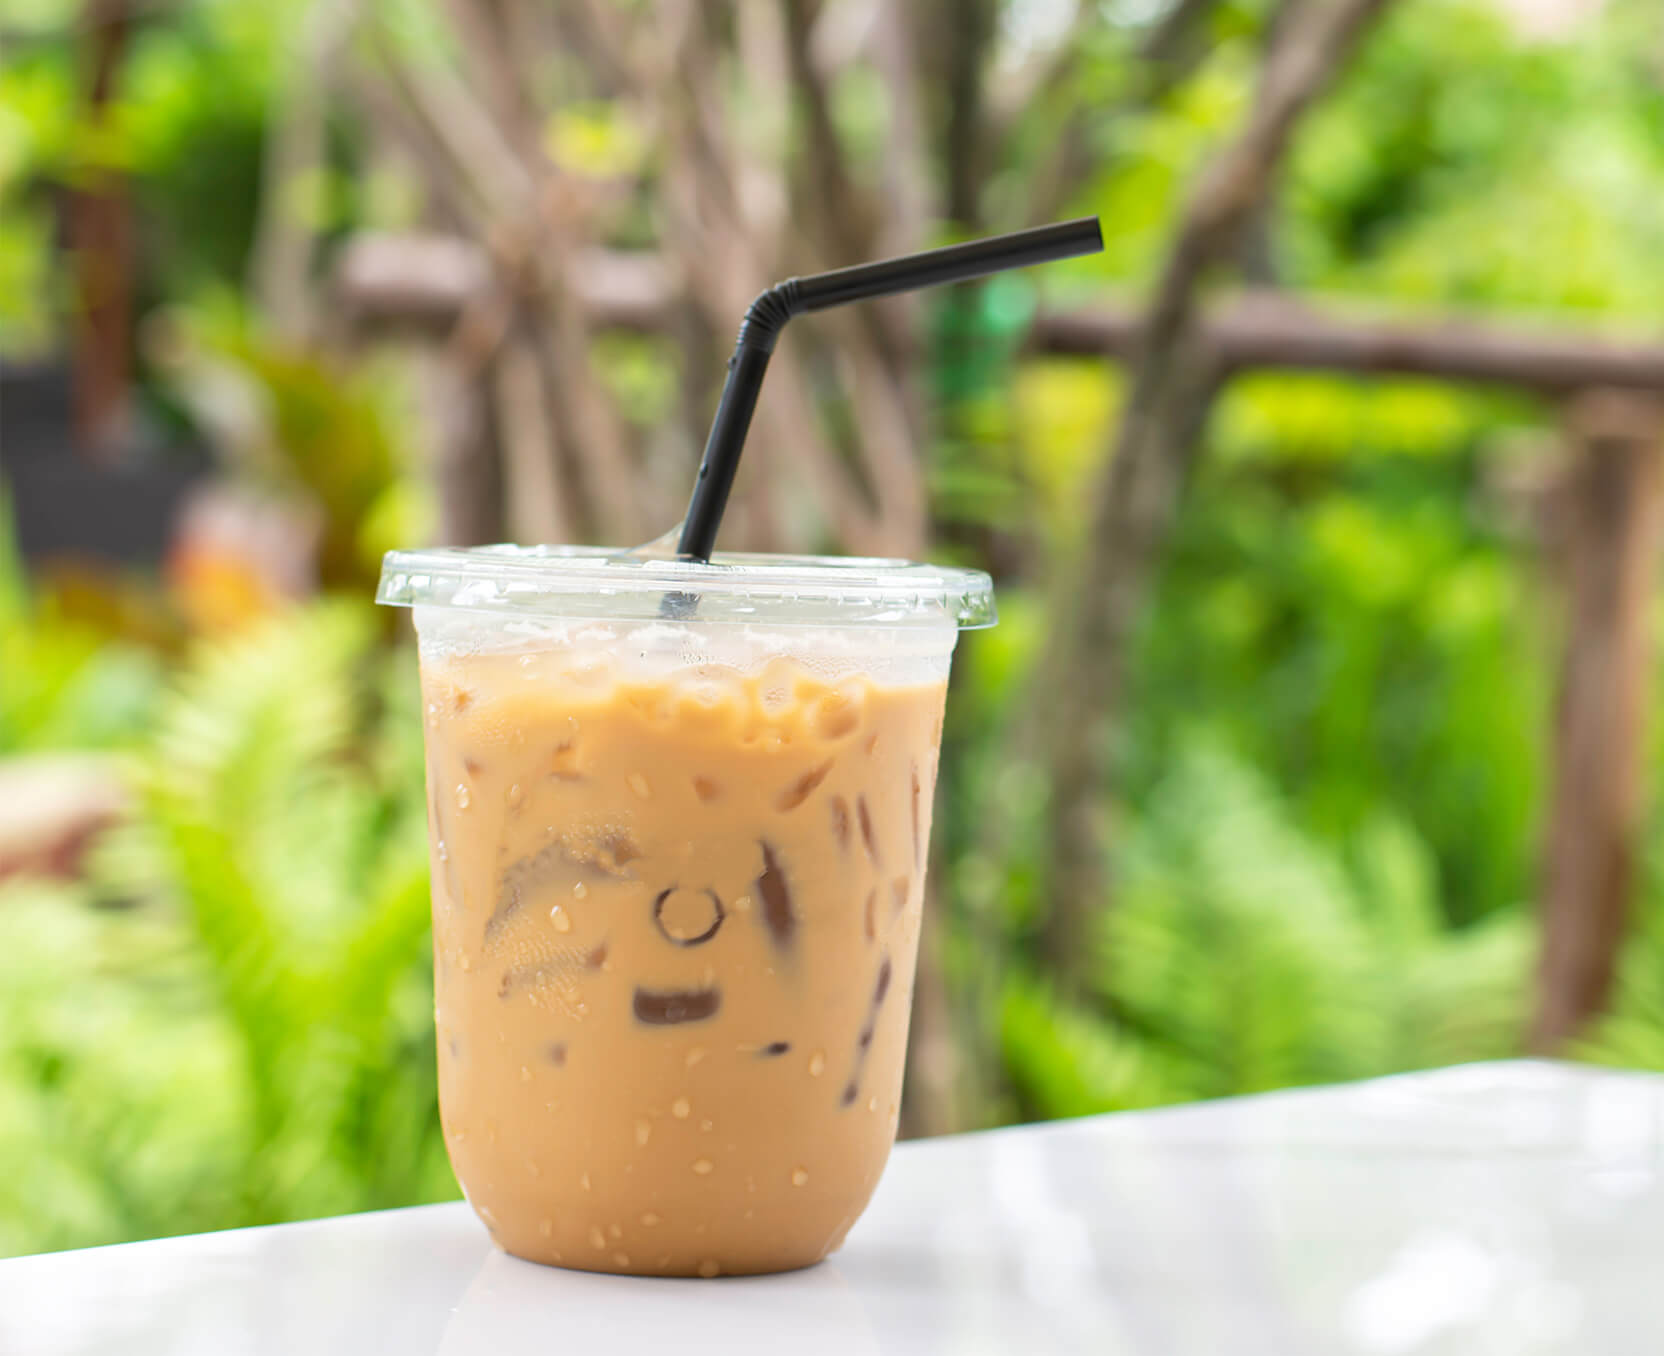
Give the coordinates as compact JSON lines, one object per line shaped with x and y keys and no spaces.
{"x":282,"y":286}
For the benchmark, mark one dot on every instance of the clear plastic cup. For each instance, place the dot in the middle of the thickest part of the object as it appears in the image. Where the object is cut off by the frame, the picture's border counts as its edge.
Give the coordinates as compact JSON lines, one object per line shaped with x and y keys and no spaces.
{"x":679,"y":818}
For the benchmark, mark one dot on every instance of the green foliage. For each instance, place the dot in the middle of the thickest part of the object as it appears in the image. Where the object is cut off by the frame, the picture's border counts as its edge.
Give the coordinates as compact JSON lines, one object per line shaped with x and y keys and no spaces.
{"x":1361,"y":628}
{"x":269,"y":973}
{"x":310,"y":424}
{"x":1460,"y":164}
{"x":185,"y":123}
{"x":1242,"y":956}
{"x":116,"y":1090}
{"x":62,"y":685}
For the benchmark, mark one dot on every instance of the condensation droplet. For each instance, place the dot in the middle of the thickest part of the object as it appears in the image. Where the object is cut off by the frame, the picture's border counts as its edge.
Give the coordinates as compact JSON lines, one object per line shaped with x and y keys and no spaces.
{"x":462,"y":796}
{"x":597,"y":1238}
{"x":872,"y":1103}
{"x":584,"y":1181}
{"x":639,"y":785}
{"x":622,"y":1258}
{"x":525,"y":1074}
{"x":644,"y":1132}
{"x":649,"y":1219}
{"x":709,"y":1268}
{"x":703,"y":1166}
{"x":546,"y":1227}
{"x":464,"y":961}
{"x":799,"y":1176}
{"x":579,"y":890}
{"x":817,"y":1064}
{"x":515,"y":796}
{"x":443,"y":852}
{"x":615,"y":1231}
{"x":680,"y":1108}
{"x":706,"y":1125}
{"x":742,"y":903}
{"x":695,"y":1055}
{"x":561,"y":919}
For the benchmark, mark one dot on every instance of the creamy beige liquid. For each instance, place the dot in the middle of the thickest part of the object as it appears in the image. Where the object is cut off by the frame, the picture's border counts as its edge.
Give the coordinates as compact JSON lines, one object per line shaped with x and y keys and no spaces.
{"x":675,"y":924}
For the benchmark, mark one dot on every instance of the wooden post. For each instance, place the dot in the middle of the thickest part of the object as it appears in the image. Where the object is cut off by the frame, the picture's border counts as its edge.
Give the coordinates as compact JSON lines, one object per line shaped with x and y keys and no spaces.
{"x":101,"y":240}
{"x":1609,"y":518}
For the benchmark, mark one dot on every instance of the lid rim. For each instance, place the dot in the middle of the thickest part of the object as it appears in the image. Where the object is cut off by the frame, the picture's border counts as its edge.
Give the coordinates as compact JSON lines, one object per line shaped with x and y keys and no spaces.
{"x":733,"y":587}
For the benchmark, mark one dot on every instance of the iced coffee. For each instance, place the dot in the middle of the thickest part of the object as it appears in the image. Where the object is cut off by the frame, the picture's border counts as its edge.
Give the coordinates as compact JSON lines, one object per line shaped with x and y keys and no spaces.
{"x":678,"y":867}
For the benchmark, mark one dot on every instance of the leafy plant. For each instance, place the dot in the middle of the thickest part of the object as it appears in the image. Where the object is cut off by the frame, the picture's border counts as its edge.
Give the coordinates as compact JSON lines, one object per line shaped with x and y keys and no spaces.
{"x":1241,"y":955}
{"x":63,"y":685}
{"x":270,"y":976}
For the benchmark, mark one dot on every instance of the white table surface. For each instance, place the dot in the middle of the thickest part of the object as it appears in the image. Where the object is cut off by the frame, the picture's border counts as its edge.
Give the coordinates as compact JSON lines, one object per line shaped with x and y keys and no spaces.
{"x":1505,"y":1208}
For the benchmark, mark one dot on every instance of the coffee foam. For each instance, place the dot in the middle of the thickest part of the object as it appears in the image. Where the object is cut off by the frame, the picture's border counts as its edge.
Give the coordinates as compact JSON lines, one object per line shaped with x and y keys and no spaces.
{"x":664,"y":650}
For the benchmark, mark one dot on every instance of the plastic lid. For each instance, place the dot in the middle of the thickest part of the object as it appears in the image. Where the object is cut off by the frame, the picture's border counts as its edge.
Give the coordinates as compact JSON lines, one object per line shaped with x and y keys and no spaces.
{"x":586,"y":581}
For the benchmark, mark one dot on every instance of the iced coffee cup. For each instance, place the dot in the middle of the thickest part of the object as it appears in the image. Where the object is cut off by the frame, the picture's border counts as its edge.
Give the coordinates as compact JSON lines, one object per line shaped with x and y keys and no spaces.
{"x":680,"y":816}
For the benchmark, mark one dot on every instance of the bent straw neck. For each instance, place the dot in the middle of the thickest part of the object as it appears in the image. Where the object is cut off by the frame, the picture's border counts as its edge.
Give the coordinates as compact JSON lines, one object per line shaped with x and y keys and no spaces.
{"x":768,"y":315}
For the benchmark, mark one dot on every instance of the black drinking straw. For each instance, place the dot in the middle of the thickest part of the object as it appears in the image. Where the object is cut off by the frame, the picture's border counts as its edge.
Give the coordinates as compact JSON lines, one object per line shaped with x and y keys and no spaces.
{"x":770,"y":312}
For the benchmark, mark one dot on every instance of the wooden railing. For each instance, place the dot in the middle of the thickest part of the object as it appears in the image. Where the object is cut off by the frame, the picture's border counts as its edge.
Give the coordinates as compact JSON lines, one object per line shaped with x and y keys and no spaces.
{"x":1606,"y":508}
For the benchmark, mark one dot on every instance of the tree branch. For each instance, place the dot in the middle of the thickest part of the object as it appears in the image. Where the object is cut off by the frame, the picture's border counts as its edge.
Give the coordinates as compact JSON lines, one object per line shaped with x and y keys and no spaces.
{"x":1137,"y":493}
{"x":840,"y":214}
{"x":486,"y":40}
{"x":1167,"y":58}
{"x":281,"y":258}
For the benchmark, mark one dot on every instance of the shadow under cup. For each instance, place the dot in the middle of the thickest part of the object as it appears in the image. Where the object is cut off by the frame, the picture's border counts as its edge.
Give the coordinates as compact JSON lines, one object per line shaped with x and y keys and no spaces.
{"x":678,"y":867}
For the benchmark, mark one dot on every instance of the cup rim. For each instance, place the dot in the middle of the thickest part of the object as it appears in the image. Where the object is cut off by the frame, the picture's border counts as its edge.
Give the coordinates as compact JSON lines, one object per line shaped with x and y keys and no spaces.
{"x":734,"y":587}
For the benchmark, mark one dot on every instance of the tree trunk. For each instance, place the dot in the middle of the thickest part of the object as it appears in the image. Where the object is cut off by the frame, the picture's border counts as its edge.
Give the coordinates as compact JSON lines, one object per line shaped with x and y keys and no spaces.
{"x":1611,"y":513}
{"x":467,"y":472}
{"x":101,"y":235}
{"x":1137,"y":493}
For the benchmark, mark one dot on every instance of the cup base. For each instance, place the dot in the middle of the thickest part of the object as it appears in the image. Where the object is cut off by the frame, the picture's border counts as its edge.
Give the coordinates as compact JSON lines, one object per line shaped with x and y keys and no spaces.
{"x":670,"y":1266}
